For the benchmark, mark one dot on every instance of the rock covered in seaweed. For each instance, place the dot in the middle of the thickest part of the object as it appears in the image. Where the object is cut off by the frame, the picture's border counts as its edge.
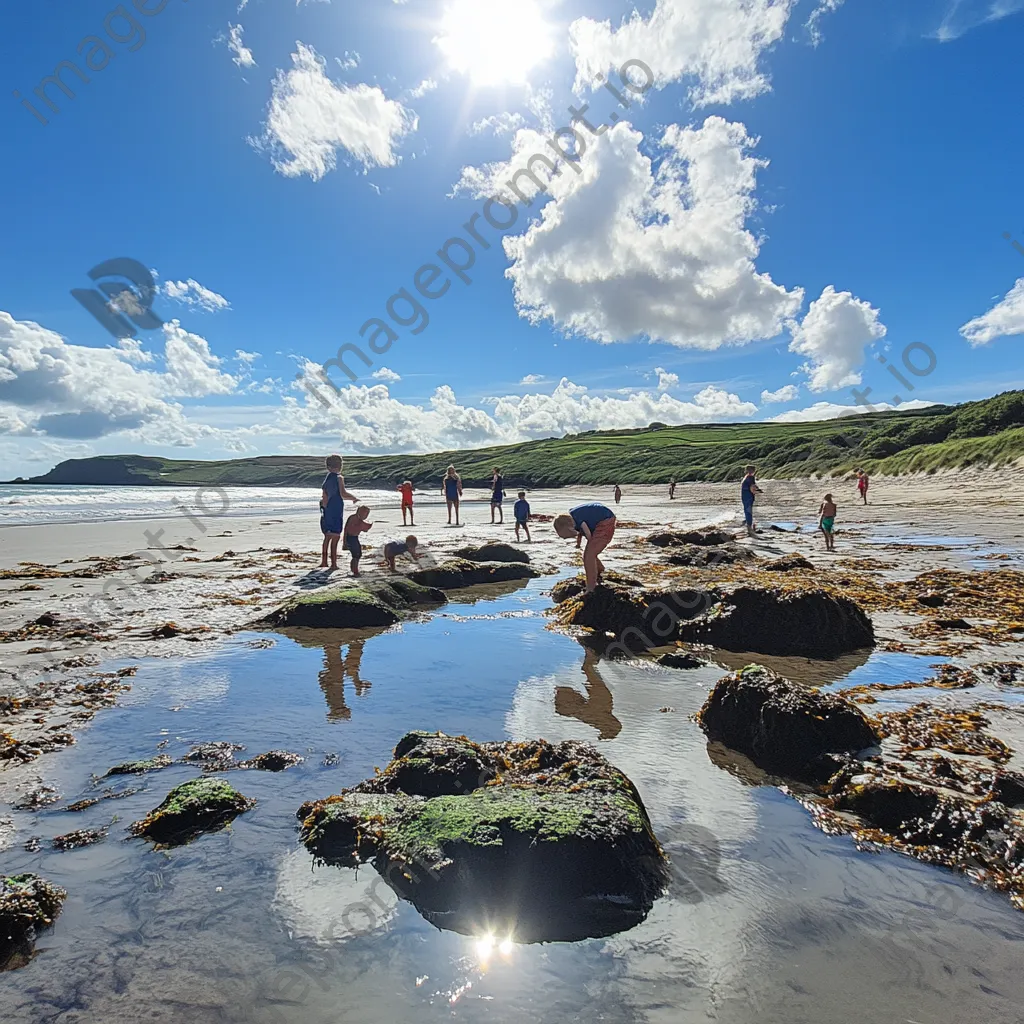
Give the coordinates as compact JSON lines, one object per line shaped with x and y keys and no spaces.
{"x":367,"y":604}
{"x":784,"y":728}
{"x":493,"y":551}
{"x":150,"y":764}
{"x":455,"y":573}
{"x":812,"y":623}
{"x":273,"y":761}
{"x":544,"y":841}
{"x":197,"y":806}
{"x":28,"y":904}
{"x":707,"y":536}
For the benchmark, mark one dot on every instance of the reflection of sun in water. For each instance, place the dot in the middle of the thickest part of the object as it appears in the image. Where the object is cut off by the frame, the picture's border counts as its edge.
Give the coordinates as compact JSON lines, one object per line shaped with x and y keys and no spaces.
{"x":494,"y":41}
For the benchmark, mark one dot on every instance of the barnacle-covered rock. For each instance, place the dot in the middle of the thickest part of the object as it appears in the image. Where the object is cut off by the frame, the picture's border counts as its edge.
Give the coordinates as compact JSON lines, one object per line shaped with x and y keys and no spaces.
{"x":455,"y":573}
{"x":541,"y":841}
{"x":28,"y":904}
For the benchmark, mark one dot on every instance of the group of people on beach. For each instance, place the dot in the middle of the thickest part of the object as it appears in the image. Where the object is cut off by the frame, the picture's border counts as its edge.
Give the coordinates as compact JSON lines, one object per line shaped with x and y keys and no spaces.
{"x":332,"y":508}
{"x":590,"y":521}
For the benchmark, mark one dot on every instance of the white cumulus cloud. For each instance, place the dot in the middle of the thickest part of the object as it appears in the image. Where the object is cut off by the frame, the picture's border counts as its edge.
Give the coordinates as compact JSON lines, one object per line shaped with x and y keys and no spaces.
{"x":715,"y":44}
{"x":386,"y":374}
{"x":785,"y":394}
{"x":310,"y":118}
{"x":192,"y":293}
{"x":626,"y":251}
{"x":666,"y":380}
{"x":834,"y":335}
{"x":1003,"y":319}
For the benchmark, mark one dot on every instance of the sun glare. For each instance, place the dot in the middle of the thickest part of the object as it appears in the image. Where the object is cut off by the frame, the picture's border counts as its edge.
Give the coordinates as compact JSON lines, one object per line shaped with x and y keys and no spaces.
{"x":494,"y":42}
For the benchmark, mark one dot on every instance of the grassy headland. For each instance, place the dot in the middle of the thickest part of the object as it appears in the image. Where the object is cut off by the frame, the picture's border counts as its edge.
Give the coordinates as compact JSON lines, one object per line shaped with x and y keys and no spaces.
{"x":988,"y":432}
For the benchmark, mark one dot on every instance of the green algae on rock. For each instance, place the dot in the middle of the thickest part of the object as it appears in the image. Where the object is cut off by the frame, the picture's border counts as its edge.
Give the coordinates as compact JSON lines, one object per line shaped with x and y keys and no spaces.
{"x":782,"y":727}
{"x":541,"y":841}
{"x":150,"y":764}
{"x":28,"y":904}
{"x":368,"y":603}
{"x":455,"y":573}
{"x":194,"y":807}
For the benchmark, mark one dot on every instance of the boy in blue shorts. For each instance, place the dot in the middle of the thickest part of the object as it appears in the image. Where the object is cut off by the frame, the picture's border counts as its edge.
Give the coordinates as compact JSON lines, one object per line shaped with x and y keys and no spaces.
{"x":521,"y":511}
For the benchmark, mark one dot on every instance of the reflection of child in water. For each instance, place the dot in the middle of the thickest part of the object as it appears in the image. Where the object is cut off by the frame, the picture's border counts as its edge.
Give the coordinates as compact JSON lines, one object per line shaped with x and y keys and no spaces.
{"x":332,"y":678}
{"x":596,"y":708}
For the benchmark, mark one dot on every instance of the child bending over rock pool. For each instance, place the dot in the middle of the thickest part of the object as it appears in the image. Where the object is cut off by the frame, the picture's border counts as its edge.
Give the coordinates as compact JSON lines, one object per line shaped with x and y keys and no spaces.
{"x":596,"y":522}
{"x":355,"y":525}
{"x":394,"y":548}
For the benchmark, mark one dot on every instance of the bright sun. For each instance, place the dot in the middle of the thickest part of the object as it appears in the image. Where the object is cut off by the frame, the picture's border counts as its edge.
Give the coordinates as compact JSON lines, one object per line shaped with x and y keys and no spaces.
{"x":494,"y":41}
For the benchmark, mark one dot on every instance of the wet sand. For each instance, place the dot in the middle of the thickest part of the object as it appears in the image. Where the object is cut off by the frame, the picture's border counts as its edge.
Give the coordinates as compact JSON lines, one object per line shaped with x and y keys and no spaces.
{"x":186,"y":584}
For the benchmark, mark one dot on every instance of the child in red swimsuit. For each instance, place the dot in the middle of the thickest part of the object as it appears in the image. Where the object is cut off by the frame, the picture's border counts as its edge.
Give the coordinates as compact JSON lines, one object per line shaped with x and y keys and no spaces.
{"x":406,"y":490}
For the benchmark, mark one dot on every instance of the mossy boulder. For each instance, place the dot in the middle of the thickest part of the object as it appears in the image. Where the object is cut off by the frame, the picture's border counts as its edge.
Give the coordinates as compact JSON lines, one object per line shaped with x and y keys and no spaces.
{"x":541,"y":841}
{"x":784,"y":728}
{"x":810,"y":623}
{"x":572,"y":586}
{"x":28,"y":904}
{"x":455,"y":573}
{"x":194,"y":807}
{"x":150,"y":764}
{"x":493,"y":551}
{"x":358,"y":605}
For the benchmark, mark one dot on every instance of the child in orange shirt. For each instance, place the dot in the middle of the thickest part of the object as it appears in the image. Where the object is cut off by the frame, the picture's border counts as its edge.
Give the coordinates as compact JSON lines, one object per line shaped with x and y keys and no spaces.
{"x":406,"y":490}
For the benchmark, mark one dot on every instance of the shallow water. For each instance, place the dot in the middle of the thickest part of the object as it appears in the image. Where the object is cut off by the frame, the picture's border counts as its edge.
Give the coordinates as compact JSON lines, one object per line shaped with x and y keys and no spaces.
{"x":767,"y":919}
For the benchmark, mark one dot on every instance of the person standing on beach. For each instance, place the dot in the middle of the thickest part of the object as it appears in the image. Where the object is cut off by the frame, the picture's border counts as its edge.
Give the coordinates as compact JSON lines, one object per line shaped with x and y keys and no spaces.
{"x":862,"y":485}
{"x":521,"y":511}
{"x":671,"y":490}
{"x":748,"y":492}
{"x":827,"y":520}
{"x":332,"y":510}
{"x":596,"y":522}
{"x":451,"y":487}
{"x":406,"y":490}
{"x":618,"y":494}
{"x":497,"y":493}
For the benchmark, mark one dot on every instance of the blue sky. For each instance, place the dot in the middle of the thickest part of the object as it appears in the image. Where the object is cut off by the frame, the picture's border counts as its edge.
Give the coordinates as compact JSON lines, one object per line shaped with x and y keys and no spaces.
{"x":806,"y":185}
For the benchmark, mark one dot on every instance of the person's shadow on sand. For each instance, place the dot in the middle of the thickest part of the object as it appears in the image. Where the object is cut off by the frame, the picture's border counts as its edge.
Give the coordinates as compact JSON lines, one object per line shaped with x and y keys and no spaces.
{"x":594,"y":709}
{"x":332,"y":677}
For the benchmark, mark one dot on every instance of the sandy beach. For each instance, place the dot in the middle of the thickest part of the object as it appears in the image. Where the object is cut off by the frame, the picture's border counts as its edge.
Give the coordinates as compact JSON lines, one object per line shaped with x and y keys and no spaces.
{"x":175,"y":586}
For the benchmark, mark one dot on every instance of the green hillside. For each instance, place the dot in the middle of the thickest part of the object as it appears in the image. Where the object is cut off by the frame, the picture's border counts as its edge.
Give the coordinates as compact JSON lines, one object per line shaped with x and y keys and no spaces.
{"x":985,"y":432}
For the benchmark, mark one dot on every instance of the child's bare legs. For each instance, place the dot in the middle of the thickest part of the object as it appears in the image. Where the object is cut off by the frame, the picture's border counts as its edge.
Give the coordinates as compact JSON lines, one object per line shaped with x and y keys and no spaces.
{"x":333,"y":538}
{"x":449,"y":511}
{"x":501,"y":515}
{"x":323,"y":552}
{"x":456,"y":504}
{"x":403,"y":516}
{"x":525,"y":527}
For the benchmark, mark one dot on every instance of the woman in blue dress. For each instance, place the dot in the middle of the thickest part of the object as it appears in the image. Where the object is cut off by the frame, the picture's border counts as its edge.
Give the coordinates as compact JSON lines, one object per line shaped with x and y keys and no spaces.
{"x":451,"y":487}
{"x":332,"y":510}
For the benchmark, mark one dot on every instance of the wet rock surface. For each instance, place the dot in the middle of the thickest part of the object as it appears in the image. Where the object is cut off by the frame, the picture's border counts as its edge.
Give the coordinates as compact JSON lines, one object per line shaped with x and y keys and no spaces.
{"x":787,"y":563}
{"x":812,"y":623}
{"x":681,"y":660}
{"x":493,"y":552}
{"x":703,"y":557}
{"x":455,"y":573}
{"x":28,"y":904}
{"x":373,"y":602}
{"x":548,"y":841}
{"x":78,"y":838}
{"x":151,"y":764}
{"x":272,"y":761}
{"x":706,"y":536}
{"x":784,"y":728}
{"x":189,"y":810}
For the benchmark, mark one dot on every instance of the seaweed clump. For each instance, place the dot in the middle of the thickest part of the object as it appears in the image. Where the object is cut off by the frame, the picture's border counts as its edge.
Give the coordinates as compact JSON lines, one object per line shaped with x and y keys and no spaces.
{"x":150,"y":764}
{"x":782,"y":727}
{"x":28,"y":904}
{"x":544,"y":841}
{"x":189,"y":810}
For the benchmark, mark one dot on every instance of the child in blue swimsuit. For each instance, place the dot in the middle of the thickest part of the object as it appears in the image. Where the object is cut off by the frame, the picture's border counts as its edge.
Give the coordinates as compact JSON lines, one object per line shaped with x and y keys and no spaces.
{"x":497,"y":493}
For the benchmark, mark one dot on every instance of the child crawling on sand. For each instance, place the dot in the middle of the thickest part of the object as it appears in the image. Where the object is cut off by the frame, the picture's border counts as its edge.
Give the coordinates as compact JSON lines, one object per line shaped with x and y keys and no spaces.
{"x":826,"y":520}
{"x":354,"y":526}
{"x":596,"y":522}
{"x":394,"y":548}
